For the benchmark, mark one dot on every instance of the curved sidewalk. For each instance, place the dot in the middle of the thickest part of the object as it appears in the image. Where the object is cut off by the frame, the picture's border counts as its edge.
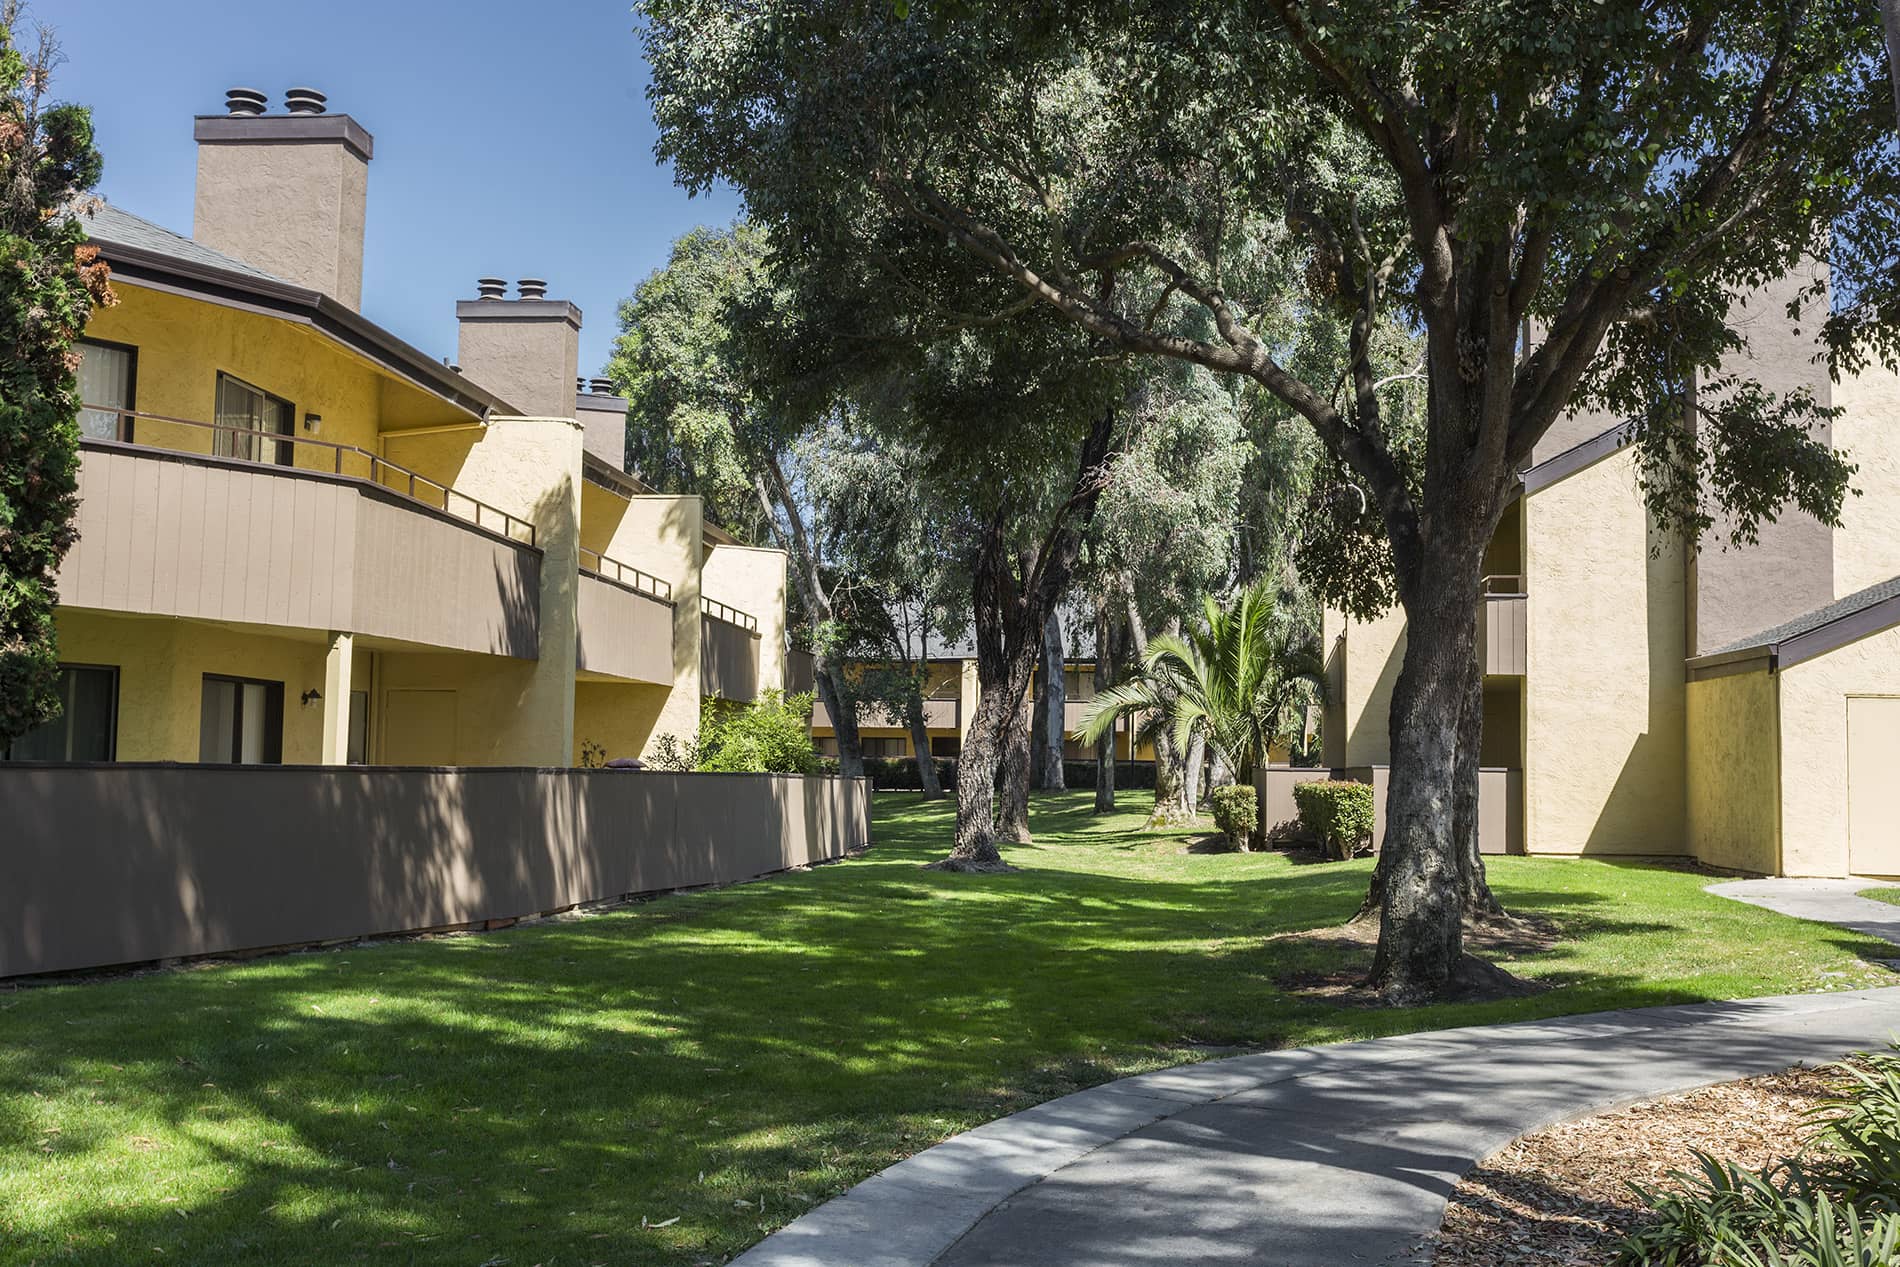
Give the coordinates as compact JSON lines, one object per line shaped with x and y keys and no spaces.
{"x":1314,"y":1157}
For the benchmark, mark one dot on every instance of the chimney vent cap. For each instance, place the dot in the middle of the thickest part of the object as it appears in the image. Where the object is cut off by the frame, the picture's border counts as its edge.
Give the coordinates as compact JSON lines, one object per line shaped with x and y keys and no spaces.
{"x":304,"y":101}
{"x":244,"y":101}
{"x":491,"y":288}
{"x":601,"y":386}
{"x":532,"y":288}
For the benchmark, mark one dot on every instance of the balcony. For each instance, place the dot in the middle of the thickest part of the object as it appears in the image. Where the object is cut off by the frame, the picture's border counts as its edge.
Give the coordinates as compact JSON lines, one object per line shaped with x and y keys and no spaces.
{"x":939,"y":714}
{"x":270,"y":529}
{"x":1502,"y":616}
{"x":728,"y":652}
{"x":625,"y":621}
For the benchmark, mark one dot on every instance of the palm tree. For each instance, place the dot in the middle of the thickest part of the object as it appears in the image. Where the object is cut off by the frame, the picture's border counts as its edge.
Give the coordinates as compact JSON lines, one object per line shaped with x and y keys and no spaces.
{"x":1236,"y":680}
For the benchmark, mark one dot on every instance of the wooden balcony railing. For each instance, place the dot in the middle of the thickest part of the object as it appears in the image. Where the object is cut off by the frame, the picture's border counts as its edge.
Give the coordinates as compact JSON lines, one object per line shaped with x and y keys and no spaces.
{"x":731,"y":615}
{"x":269,"y":448}
{"x":598,"y":564}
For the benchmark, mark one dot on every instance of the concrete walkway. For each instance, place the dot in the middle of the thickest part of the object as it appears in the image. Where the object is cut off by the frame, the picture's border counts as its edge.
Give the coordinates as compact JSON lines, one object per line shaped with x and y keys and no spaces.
{"x":1824,"y":901}
{"x":1314,"y":1157}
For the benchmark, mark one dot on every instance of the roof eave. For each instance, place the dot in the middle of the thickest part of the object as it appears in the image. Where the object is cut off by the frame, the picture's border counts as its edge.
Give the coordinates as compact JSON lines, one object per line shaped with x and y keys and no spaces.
{"x":270,"y":297}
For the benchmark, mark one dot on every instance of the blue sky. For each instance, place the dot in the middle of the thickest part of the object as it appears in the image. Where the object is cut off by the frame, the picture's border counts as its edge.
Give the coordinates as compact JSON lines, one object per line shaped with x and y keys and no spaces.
{"x":511,"y":139}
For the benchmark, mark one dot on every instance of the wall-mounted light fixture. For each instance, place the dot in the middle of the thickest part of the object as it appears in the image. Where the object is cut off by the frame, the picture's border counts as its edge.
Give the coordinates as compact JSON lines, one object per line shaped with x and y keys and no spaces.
{"x":312,"y":696}
{"x":313,"y":423}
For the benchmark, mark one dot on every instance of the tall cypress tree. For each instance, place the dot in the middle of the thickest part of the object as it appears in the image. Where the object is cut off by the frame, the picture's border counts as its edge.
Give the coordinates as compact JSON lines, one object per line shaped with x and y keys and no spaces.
{"x":50,"y":279}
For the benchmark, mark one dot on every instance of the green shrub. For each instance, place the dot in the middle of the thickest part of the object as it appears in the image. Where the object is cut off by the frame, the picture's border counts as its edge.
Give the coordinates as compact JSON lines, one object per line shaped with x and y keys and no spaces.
{"x":771,"y":735}
{"x":1236,"y":812}
{"x":1336,"y":812}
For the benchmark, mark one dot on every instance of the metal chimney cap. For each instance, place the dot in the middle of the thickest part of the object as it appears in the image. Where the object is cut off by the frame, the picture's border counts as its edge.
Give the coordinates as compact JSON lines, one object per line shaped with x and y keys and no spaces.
{"x":244,"y":101}
{"x":601,"y":386}
{"x":304,"y":101}
{"x":532,"y":288}
{"x":491,"y":288}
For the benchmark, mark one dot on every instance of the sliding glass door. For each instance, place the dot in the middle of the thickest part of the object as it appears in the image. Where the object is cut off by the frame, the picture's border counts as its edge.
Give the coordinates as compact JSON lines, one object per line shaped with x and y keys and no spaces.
{"x":106,"y":376}
{"x":241,"y":722}
{"x":251,"y":410}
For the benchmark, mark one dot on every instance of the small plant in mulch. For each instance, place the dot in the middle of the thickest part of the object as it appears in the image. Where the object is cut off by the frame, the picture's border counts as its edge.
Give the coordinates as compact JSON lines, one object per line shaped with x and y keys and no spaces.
{"x":1835,"y":1204}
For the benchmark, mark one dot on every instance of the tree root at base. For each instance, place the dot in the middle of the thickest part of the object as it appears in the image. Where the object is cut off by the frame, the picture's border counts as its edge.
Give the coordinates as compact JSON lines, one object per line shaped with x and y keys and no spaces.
{"x":971,"y":866}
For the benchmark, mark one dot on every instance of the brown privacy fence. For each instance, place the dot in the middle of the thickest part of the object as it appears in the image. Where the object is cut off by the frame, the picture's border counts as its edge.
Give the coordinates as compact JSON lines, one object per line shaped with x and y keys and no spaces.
{"x":125,"y":863}
{"x":1500,"y":801}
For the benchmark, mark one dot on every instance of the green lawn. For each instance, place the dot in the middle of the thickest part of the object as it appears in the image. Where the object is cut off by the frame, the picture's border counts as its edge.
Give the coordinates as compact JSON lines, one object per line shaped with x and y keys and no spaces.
{"x":1891,"y":896}
{"x":717,"y":1062}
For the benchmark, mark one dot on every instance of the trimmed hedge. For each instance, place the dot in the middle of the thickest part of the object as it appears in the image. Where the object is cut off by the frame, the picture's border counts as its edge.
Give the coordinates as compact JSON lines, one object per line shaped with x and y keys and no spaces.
{"x":1236,"y":812}
{"x":1338,"y":813}
{"x":899,"y":774}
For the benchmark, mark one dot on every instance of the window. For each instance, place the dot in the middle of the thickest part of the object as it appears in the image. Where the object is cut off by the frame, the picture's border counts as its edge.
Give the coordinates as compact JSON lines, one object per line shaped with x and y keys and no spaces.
{"x":87,"y":727}
{"x":945,"y":746}
{"x":243,"y":406}
{"x":885,"y":747}
{"x":108,"y":373}
{"x":241,"y":722}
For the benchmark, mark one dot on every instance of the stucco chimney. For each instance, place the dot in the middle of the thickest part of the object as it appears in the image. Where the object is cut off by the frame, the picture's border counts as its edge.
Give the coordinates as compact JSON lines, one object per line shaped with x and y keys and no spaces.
{"x":285,"y":193}
{"x":603,"y":419}
{"x":526,"y":350}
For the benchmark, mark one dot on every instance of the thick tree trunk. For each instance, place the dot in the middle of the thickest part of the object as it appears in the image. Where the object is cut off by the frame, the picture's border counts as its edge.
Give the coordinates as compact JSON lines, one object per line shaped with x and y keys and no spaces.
{"x":833,"y":693}
{"x":775,"y":497}
{"x":1053,"y":731}
{"x":1011,"y":596}
{"x":1105,"y":746}
{"x":920,"y":745}
{"x":1012,"y":806}
{"x":1421,"y":939}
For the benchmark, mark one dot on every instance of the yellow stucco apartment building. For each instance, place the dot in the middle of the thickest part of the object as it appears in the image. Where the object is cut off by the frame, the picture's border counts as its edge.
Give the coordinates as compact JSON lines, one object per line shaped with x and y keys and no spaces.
{"x":1738,"y":706}
{"x":302,"y":540}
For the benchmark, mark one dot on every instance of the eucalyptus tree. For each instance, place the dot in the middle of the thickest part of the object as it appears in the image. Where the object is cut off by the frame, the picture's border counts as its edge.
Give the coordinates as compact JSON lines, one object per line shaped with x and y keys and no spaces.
{"x":49,"y":286}
{"x":704,"y":417}
{"x":1563,"y":199}
{"x":896,"y":581}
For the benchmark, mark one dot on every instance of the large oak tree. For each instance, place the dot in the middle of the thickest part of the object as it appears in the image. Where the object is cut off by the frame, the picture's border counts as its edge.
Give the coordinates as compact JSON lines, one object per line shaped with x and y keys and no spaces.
{"x":1564,"y":200}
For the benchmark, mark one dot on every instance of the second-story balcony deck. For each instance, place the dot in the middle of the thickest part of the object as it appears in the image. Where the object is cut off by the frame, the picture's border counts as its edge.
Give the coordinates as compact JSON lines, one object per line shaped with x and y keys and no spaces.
{"x":625,"y":619}
{"x":728,"y":652}
{"x":181,"y":517}
{"x":1502,"y":618}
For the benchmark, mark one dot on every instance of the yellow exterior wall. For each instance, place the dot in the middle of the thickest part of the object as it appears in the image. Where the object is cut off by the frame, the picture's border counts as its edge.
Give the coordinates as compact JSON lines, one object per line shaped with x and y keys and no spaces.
{"x":1734,"y":772}
{"x":1814,"y":793}
{"x":1604,"y":723}
{"x":1371,"y":655}
{"x":162,"y":663}
{"x":752,"y":578}
{"x":661,"y":534}
{"x":1867,"y":544}
{"x":622,"y":718}
{"x":183,"y":344}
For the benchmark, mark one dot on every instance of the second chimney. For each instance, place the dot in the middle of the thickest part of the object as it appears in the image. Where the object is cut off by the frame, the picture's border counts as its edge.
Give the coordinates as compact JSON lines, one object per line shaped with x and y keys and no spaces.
{"x":525,"y":350}
{"x":285,"y":193}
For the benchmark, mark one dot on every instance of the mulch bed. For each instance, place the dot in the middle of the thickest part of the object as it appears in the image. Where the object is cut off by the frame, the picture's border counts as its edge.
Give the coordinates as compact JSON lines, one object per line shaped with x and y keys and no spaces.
{"x":1346,"y":953}
{"x":1562,"y":1196}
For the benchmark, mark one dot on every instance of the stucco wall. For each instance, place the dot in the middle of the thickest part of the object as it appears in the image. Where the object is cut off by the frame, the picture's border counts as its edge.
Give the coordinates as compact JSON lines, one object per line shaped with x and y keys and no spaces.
{"x":294,"y":208}
{"x":1604,"y":650}
{"x":162,"y":664}
{"x":660,"y":534}
{"x":1373,"y":653}
{"x":1867,"y":544}
{"x":1734,"y":772}
{"x":121,"y":864}
{"x":752,"y":578}
{"x":1814,"y":748}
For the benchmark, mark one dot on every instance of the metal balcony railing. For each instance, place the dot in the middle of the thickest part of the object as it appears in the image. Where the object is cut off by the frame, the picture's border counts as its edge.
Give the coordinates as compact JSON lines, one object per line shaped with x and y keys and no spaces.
{"x":625,"y":574}
{"x":269,"y":448}
{"x":731,"y":615}
{"x":1502,"y":585}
